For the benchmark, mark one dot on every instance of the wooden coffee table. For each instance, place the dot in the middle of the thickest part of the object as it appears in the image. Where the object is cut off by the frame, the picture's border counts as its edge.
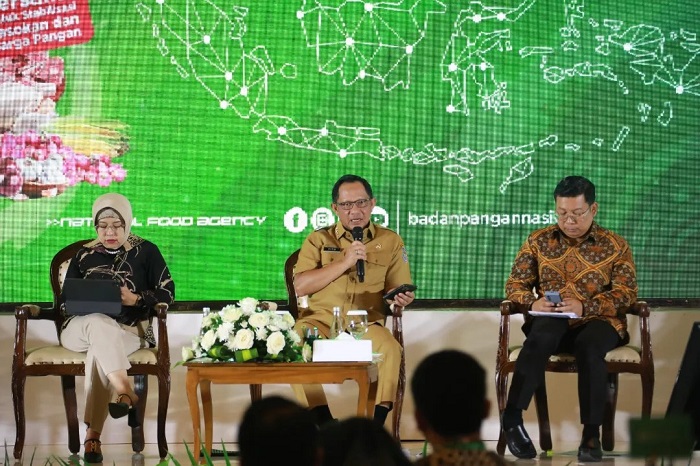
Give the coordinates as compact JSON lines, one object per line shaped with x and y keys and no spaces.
{"x":256,"y":374}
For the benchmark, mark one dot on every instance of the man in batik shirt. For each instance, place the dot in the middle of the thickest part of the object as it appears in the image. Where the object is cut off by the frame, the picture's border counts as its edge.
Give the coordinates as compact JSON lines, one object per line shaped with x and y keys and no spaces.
{"x":593,"y":270}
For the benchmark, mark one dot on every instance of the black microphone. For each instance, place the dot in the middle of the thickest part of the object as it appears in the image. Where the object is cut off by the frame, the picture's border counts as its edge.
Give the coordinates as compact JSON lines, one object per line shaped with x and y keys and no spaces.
{"x":357,"y":236}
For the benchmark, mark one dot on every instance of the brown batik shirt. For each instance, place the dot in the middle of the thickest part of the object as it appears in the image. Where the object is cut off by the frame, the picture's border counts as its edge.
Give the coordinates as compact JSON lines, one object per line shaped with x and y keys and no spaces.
{"x":598,"y":270}
{"x":456,"y":457}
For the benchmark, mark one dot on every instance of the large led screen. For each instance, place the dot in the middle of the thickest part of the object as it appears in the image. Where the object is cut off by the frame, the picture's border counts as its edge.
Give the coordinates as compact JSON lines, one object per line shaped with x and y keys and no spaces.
{"x":226,"y":123}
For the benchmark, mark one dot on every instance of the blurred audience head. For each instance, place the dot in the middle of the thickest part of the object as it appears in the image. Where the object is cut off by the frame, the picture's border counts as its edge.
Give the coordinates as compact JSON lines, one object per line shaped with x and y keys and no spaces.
{"x":277,"y":431}
{"x":360,"y":441}
{"x":449,"y":392}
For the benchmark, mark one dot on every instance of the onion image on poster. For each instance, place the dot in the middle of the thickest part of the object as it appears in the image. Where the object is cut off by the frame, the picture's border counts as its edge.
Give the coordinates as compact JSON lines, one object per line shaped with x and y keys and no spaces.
{"x":42,"y":153}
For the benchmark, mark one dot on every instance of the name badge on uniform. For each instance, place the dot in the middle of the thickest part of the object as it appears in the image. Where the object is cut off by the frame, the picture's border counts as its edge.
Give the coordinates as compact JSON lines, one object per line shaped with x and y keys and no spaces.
{"x":331,"y":249}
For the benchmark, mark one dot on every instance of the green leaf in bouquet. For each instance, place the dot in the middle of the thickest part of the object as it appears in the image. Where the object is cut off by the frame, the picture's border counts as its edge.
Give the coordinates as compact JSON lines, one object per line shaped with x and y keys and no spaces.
{"x":220,"y":352}
{"x":246,"y":355}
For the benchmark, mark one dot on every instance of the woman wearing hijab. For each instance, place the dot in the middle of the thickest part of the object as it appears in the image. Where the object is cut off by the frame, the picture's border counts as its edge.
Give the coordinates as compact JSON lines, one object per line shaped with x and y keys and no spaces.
{"x":139,"y":268}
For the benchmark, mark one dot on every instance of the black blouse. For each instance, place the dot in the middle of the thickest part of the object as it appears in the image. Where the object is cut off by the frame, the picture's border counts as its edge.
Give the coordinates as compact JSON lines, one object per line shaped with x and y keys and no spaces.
{"x":138,"y":265}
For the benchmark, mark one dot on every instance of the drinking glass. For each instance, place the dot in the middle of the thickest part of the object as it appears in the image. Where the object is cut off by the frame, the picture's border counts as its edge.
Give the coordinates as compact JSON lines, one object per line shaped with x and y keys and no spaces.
{"x":356,"y":323}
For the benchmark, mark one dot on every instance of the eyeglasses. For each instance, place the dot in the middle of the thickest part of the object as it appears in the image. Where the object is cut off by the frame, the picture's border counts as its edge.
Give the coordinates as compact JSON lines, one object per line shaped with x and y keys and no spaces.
{"x":114,"y":228}
{"x":574,"y":216}
{"x":360,"y":203}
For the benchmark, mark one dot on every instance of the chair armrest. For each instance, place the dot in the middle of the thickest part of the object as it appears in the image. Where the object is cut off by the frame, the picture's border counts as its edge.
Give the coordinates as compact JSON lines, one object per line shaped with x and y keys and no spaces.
{"x":640,"y":308}
{"x":161,"y":311}
{"x":22,"y":315}
{"x":395,"y":311}
{"x":161,"y":314}
{"x":34,"y":312}
{"x":396,"y":323}
{"x":509,"y":308}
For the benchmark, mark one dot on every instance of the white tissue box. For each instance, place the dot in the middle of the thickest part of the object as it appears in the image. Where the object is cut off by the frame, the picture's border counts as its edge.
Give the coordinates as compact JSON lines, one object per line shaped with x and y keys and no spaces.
{"x":342,"y":350}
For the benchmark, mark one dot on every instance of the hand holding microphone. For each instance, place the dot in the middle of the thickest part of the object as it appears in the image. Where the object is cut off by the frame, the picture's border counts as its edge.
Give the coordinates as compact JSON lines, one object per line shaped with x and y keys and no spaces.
{"x":357,"y":236}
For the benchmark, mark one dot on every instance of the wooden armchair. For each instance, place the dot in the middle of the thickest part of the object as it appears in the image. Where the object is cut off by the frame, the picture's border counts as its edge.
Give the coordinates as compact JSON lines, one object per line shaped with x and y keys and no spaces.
{"x":56,"y":360}
{"x":625,"y":359}
{"x":397,"y":330}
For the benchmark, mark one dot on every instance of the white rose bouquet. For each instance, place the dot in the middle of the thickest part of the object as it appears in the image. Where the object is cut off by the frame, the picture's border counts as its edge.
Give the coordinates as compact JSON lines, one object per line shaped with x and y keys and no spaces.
{"x":248,"y":331}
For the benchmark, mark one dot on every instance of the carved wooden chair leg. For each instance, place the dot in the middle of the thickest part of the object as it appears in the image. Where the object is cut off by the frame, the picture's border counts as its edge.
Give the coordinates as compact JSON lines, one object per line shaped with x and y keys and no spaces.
{"x":647,"y":394}
{"x":71,"y":404}
{"x":398,"y":404}
{"x":18,"y":399}
{"x":163,"y":400}
{"x":501,"y":445}
{"x":608,"y":437}
{"x":501,"y":397}
{"x":255,"y":392}
{"x":141,"y":389}
{"x":543,"y":417}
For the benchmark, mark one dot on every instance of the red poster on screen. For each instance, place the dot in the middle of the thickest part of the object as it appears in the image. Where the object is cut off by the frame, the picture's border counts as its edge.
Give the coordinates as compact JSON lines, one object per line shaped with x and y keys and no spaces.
{"x":37,"y":25}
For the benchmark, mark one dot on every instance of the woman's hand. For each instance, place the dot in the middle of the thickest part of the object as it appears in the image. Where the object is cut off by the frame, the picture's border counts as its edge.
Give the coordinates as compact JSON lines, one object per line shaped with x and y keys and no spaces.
{"x":128,"y":297}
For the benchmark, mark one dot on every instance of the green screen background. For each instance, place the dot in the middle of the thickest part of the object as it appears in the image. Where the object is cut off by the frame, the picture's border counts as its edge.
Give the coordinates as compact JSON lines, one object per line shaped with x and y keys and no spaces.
{"x":626,"y":64}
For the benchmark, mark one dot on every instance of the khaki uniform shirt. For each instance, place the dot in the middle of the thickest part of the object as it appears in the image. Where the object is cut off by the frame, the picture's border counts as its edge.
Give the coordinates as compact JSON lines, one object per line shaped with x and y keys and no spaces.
{"x":598,"y":271}
{"x":386,"y":267}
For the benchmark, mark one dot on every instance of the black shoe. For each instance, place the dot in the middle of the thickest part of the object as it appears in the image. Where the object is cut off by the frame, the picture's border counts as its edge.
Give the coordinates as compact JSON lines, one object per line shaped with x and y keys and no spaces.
{"x":322,"y":415}
{"x":519,"y":442}
{"x":120,"y":409}
{"x":93,"y":451}
{"x":133,"y":418}
{"x":590,"y":451}
{"x":380,"y":414}
{"x":218,"y":453}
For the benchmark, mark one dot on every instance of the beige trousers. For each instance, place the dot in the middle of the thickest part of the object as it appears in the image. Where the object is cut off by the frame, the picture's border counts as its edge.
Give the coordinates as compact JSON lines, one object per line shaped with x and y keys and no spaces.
{"x":383,"y":342}
{"x":107,"y":344}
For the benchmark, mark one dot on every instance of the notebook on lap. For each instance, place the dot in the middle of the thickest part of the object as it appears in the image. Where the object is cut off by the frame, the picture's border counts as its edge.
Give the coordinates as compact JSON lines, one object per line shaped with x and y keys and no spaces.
{"x":89,"y":296}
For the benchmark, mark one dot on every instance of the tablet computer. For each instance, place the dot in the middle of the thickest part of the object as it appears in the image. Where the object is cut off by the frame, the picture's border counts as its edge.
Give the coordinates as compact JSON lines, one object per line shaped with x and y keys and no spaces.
{"x":89,"y":296}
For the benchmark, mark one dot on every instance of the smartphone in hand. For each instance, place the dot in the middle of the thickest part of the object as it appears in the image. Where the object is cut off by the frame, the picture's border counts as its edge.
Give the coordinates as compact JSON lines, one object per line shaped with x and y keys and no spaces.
{"x":400,"y":289}
{"x":553,"y":297}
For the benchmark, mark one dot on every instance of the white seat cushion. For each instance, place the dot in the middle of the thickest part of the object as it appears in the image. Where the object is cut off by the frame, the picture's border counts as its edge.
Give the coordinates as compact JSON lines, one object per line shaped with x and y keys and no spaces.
{"x":56,"y":354}
{"x":626,"y":353}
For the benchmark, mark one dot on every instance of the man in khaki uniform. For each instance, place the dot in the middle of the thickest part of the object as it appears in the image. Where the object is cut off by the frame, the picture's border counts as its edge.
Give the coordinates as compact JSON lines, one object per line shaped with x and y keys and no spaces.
{"x":327,"y":273}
